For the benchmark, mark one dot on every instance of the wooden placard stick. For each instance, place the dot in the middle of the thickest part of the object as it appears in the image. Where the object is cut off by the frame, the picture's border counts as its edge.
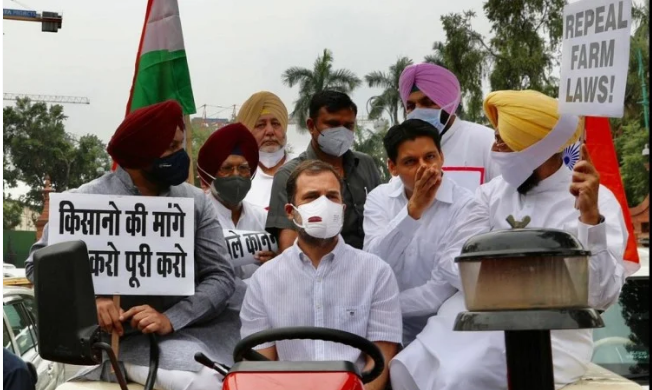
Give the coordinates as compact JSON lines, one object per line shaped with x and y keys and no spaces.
{"x":115,"y":337}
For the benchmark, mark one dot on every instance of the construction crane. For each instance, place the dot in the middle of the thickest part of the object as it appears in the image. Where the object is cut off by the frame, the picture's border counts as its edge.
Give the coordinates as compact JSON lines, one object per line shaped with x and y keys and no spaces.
{"x":48,"y":98}
{"x":50,"y":21}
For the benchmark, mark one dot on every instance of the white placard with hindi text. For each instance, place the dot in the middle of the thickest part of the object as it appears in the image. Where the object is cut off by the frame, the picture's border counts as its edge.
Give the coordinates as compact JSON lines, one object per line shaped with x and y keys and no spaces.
{"x":243,"y":245}
{"x":137,"y":245}
{"x":595,"y":57}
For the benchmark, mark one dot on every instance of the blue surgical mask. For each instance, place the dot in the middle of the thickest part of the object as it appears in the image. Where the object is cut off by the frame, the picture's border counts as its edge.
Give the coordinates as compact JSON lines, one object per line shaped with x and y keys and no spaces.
{"x":170,"y":170}
{"x":335,"y":141}
{"x":430,"y":115}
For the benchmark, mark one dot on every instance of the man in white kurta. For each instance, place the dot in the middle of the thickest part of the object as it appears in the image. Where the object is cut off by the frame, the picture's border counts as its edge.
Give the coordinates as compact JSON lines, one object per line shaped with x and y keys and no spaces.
{"x":534,"y":183}
{"x":432,"y":93}
{"x":406,"y":221}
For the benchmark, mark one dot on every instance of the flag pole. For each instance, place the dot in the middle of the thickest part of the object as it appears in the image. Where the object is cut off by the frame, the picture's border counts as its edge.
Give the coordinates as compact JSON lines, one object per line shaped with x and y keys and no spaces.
{"x":191,"y":170}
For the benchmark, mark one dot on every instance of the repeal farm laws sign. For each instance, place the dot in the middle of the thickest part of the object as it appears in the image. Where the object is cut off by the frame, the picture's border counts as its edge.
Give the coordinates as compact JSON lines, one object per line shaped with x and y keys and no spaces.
{"x":595,"y":57}
{"x":137,"y":245}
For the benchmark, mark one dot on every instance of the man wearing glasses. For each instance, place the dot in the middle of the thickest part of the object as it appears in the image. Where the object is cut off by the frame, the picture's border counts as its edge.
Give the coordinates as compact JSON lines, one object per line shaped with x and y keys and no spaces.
{"x":226,"y":164}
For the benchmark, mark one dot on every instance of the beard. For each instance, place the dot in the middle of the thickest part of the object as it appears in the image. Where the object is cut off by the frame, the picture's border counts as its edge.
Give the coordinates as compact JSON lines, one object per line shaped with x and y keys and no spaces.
{"x":529,"y":184}
{"x":313,"y":241}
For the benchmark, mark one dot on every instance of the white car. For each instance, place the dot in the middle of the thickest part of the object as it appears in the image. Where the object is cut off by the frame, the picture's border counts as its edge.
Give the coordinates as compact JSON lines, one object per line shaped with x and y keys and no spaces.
{"x":19,"y":335}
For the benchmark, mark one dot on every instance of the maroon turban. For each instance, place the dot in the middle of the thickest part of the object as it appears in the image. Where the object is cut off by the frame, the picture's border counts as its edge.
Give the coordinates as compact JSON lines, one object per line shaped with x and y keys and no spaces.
{"x":145,"y":134}
{"x":231,"y":139}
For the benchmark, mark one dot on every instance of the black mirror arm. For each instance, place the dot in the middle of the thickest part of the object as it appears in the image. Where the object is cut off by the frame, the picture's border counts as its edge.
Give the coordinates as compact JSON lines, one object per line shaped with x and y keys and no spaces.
{"x":153,"y":362}
{"x":114,"y":363}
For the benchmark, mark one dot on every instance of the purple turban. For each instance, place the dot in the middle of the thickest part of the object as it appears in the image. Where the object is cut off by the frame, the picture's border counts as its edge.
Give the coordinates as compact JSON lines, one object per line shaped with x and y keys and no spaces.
{"x":439,"y":84}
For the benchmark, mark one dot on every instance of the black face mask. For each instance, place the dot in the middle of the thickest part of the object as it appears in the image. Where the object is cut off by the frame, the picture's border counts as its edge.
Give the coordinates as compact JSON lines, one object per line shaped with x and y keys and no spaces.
{"x":232,"y":190}
{"x":171,"y":170}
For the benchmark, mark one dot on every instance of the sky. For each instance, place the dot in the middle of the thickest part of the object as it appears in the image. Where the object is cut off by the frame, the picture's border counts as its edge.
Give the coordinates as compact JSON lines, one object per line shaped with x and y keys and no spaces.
{"x":234,"y":48}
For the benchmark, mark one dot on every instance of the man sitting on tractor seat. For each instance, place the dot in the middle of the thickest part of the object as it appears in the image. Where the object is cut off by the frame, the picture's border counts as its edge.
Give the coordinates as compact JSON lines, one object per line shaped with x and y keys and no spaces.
{"x":148,"y":147}
{"x":322,"y":281}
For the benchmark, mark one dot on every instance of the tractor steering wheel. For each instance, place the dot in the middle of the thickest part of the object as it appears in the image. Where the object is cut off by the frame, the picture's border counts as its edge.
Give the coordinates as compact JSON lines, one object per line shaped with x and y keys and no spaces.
{"x":315,"y":333}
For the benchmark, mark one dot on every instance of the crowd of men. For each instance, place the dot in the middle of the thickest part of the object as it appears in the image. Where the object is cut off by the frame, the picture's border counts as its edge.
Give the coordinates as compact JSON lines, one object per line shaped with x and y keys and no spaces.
{"x":371,"y":258}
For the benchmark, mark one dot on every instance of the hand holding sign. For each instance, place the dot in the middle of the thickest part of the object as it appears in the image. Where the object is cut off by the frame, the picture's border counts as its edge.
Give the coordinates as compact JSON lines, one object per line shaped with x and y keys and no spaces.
{"x":108,"y":316}
{"x":264,"y":256}
{"x":585,"y":187}
{"x":146,"y":319}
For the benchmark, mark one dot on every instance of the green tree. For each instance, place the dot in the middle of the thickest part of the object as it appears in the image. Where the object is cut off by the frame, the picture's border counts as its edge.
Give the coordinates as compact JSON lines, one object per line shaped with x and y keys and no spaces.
{"x":520,"y":54}
{"x":321,"y":77}
{"x":525,"y":45}
{"x":390,"y":100}
{"x":634,"y":89}
{"x":465,"y":56}
{"x":371,"y":143}
{"x":630,"y":134}
{"x":12,"y":211}
{"x":629,"y":146}
{"x":36,"y":146}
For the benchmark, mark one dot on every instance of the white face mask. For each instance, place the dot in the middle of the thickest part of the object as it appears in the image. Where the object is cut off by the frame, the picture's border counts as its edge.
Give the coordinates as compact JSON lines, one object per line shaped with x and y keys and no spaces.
{"x":335,"y":141}
{"x":513,"y":170}
{"x":516,"y":167}
{"x":430,"y":115}
{"x":269,"y":160}
{"x":321,"y":218}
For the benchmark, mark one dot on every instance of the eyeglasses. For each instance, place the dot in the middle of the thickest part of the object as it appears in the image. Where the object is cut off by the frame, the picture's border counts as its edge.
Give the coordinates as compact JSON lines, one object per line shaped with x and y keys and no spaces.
{"x":240,"y":169}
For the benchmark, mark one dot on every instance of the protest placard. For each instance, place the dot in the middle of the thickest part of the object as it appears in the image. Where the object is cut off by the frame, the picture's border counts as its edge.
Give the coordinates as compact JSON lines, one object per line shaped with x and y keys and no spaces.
{"x":137,"y":245}
{"x":244,"y":244}
{"x":595,"y":57}
{"x":468,"y":177}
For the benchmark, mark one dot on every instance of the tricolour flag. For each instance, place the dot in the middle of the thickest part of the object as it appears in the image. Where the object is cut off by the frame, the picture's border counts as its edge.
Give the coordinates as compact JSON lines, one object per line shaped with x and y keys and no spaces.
{"x":161,"y":65}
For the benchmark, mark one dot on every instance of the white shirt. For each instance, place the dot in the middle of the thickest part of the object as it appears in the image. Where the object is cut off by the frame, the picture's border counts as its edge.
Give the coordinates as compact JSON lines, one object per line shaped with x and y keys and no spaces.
{"x":410,"y":246}
{"x":350,"y":290}
{"x":549,"y":205}
{"x":252,"y":217}
{"x":468,"y":145}
{"x":261,"y":187}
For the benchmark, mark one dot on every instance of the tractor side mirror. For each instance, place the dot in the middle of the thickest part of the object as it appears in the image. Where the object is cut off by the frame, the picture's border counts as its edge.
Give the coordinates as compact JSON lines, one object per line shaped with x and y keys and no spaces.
{"x":65,"y":302}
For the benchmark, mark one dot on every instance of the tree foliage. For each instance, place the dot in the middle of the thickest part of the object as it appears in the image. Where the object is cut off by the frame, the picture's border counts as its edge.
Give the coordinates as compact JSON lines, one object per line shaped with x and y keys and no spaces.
{"x":635,"y":177}
{"x":390,"y":99}
{"x":321,"y":77}
{"x":12,"y":211}
{"x":36,"y":146}
{"x":525,"y":44}
{"x":371,"y":143}
{"x":465,"y":56}
{"x":519,"y":54}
